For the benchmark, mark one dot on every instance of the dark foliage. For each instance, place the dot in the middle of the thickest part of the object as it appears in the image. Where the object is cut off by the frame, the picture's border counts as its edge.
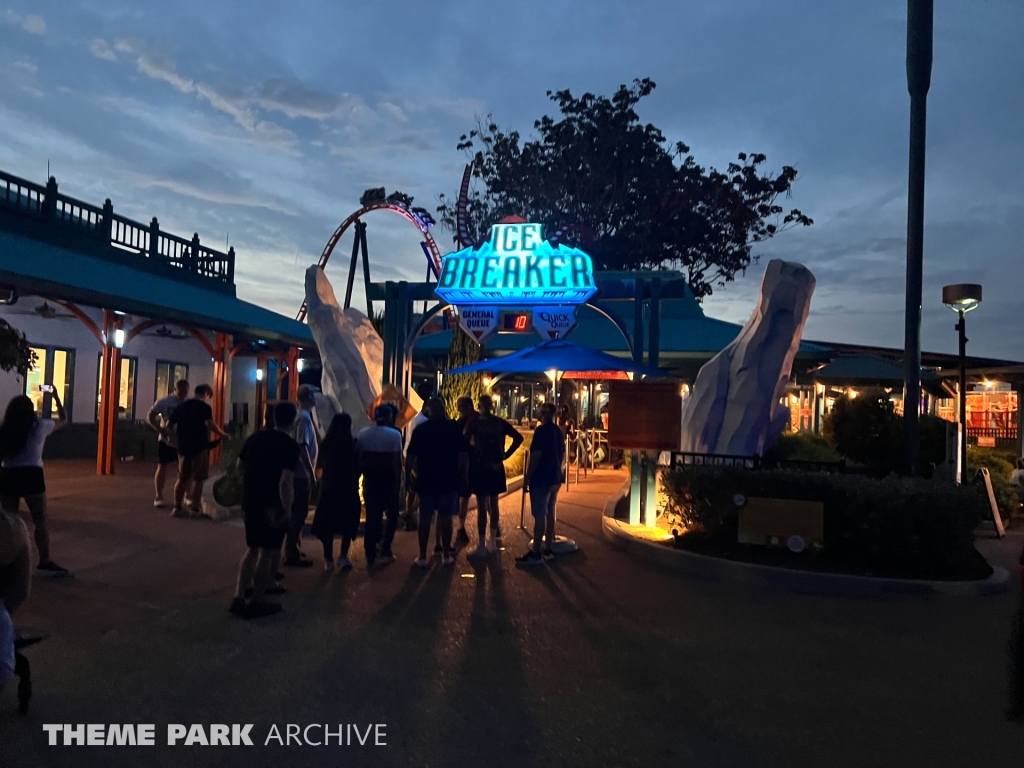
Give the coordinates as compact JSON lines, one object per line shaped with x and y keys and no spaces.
{"x":15,"y":354}
{"x":634,"y":200}
{"x":897,"y":527}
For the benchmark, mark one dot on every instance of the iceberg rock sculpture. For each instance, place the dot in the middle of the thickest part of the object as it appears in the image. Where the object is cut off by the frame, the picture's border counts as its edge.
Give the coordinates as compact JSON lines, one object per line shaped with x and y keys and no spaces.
{"x":735,"y":403}
{"x":351,"y":352}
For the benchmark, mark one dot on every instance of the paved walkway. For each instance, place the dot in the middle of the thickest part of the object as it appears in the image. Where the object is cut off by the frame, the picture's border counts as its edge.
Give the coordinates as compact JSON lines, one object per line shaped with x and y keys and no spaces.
{"x":596,"y":660}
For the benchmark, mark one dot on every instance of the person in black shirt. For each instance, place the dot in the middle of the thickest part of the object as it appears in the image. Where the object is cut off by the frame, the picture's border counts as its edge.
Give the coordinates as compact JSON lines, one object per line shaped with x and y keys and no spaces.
{"x":337,"y":511}
{"x":193,"y":422}
{"x":269,"y":458}
{"x":488,"y":434}
{"x":438,"y":459}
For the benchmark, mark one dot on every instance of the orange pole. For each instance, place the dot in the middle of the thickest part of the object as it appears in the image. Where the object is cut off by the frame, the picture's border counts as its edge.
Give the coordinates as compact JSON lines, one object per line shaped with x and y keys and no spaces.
{"x":261,"y":391}
{"x":222,"y":349}
{"x":110,"y":377}
{"x":293,"y":374}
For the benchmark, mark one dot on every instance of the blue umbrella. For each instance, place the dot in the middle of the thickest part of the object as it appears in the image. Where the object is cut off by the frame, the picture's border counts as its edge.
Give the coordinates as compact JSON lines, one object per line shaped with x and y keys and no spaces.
{"x":557,"y":355}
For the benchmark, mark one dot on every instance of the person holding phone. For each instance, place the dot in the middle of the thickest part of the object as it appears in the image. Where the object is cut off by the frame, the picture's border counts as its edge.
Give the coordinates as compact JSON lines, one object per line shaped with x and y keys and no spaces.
{"x":22,"y":436}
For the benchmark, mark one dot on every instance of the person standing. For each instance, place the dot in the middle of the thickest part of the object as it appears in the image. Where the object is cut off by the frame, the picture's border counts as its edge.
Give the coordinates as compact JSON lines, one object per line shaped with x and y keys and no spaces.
{"x":193,"y":423}
{"x":22,"y":436}
{"x":305,"y":436}
{"x":438,"y":459}
{"x":543,"y":478}
{"x":467,"y":418}
{"x":270,"y":457}
{"x":1015,"y":649}
{"x":488,"y":436}
{"x":159,"y":417}
{"x":338,"y":508}
{"x":15,"y":583}
{"x":379,"y":448}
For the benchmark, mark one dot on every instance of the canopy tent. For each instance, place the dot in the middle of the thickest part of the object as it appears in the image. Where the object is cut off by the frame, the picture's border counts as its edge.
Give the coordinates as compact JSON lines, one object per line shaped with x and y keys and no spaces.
{"x":557,"y":355}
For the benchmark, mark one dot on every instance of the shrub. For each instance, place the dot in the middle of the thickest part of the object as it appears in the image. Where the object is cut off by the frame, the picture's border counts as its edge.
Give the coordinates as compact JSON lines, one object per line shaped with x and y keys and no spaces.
{"x":999,"y":465}
{"x":905,"y":527}
{"x":801,"y":446}
{"x":516,"y":464}
{"x":867,"y":430}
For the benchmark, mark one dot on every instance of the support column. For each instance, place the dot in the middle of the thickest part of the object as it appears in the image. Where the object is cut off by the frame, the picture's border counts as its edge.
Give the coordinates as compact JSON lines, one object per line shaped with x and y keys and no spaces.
{"x":221,"y":362}
{"x":110,"y":388}
{"x":260,"y":405}
{"x":293,"y":374}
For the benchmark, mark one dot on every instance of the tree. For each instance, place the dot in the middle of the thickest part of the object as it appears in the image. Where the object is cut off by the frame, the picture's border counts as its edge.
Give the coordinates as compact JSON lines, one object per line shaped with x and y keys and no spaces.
{"x":15,"y":354}
{"x":630,"y":199}
{"x":463,"y":351}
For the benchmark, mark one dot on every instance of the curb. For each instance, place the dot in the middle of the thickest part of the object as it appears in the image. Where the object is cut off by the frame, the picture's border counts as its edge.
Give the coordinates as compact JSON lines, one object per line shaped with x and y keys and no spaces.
{"x":791,"y":580}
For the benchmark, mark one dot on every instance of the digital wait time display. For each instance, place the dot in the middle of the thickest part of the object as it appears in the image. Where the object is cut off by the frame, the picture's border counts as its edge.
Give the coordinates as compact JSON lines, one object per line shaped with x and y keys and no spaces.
{"x":518,"y":321}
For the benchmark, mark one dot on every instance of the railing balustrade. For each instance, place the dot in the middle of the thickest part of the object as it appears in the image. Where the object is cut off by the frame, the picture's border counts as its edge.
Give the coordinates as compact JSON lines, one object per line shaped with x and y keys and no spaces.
{"x":148,"y":242}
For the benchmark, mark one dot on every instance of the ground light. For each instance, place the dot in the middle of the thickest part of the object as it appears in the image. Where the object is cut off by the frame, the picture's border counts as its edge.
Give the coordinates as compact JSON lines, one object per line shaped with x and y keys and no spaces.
{"x":962,"y":298}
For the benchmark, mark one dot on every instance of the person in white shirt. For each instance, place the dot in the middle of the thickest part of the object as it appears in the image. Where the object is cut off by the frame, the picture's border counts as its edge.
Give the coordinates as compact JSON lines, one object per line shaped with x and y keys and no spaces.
{"x":159,"y":418}
{"x":15,"y":583}
{"x":379,"y":450}
{"x":22,"y":436}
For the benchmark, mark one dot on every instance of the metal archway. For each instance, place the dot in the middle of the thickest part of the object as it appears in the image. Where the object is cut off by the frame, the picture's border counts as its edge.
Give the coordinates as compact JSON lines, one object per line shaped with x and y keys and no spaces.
{"x":430,"y":249}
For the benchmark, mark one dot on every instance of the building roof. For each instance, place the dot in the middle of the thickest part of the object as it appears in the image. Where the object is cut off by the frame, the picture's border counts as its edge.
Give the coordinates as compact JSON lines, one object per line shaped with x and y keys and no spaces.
{"x":39,"y":268}
{"x":872,"y":371}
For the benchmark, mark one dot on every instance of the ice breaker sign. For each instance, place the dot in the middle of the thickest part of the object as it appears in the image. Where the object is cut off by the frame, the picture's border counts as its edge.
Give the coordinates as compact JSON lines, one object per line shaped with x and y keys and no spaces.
{"x":517,"y":266}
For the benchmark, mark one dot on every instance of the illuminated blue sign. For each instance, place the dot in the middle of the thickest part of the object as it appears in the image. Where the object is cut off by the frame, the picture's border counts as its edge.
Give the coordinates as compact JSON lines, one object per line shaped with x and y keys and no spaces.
{"x":517,"y":266}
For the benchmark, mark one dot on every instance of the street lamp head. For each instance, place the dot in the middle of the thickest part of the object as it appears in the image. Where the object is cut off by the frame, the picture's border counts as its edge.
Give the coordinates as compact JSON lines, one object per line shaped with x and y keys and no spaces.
{"x":962,"y":297}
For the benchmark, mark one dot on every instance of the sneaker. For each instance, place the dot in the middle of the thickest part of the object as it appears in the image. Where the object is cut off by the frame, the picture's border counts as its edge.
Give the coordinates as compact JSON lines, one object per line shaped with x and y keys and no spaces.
{"x":329,"y":566}
{"x":261,"y":609}
{"x":480,"y":551}
{"x":462,"y":537}
{"x":196,"y":514}
{"x":448,"y":560}
{"x":530,"y":558}
{"x":237,"y":607}
{"x":179,"y":512}
{"x":344,"y":564}
{"x":386,"y":557}
{"x":159,"y":503}
{"x":422,"y":562}
{"x":48,"y":566}
{"x":496,"y":533}
{"x":547,"y":554}
{"x":438,"y":549}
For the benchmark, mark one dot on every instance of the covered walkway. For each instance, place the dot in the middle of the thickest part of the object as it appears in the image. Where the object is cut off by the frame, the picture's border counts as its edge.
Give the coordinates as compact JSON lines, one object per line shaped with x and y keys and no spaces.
{"x":80,"y":255}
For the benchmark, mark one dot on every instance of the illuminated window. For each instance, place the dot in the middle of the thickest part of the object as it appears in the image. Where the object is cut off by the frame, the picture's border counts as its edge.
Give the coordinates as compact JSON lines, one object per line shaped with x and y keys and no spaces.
{"x":126,"y":401}
{"x":167,"y":375}
{"x":55,"y":367}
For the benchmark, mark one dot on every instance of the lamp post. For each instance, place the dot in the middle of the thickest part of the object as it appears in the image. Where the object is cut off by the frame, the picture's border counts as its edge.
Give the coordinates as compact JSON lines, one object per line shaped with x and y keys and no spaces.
{"x":919,"y":75}
{"x":962,"y":298}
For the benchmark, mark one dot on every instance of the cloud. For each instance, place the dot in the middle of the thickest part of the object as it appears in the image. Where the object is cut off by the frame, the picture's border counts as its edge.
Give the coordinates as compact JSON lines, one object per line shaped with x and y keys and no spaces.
{"x":34,"y":25}
{"x":210,"y":194}
{"x":231,"y":105}
{"x":291,"y":97}
{"x":101,"y":49}
{"x":26,"y":66}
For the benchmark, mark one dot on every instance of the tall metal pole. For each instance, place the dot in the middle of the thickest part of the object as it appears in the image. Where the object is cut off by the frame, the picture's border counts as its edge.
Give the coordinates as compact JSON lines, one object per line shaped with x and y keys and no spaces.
{"x":962,"y":328}
{"x":919,"y":72}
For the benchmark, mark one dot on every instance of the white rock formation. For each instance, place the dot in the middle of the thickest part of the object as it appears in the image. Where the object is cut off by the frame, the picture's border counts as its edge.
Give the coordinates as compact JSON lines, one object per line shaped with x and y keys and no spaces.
{"x":351,"y":352}
{"x":735,"y":403}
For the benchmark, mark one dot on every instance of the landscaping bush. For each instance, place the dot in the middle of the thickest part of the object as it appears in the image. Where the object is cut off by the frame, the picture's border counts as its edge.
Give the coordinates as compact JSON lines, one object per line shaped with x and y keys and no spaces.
{"x":898,"y":527}
{"x":801,"y":446}
{"x":866,"y":429}
{"x":999,"y":465}
{"x":516,"y":464}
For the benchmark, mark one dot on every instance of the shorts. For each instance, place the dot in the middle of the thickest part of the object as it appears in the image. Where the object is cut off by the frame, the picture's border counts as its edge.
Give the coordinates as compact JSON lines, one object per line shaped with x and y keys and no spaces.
{"x":260,"y":534}
{"x":194,"y":467}
{"x":166,"y":454}
{"x":19,"y":482}
{"x":489,"y":481}
{"x":543,"y":500}
{"x":445,"y":504}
